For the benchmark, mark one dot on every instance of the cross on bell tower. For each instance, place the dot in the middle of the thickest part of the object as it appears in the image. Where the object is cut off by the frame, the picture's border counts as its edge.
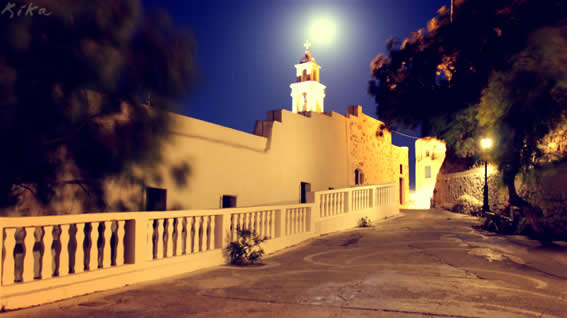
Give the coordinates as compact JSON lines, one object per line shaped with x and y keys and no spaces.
{"x":307,"y":45}
{"x":307,"y":93}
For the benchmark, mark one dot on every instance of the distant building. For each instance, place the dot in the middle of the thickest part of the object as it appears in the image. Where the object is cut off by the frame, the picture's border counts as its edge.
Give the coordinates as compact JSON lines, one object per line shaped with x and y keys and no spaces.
{"x":429,"y":157}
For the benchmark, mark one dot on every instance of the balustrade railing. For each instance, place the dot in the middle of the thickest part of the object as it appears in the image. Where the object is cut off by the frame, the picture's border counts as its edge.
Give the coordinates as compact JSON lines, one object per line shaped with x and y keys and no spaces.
{"x":39,"y":248}
{"x":54,"y":247}
{"x":180,"y":233}
{"x":332,"y":202}
{"x":261,"y":222}
{"x":338,"y":202}
{"x":297,"y":220}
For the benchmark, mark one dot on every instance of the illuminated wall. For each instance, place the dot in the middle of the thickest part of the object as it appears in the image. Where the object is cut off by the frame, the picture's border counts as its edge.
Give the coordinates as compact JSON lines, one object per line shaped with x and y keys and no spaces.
{"x":429,"y":156}
{"x":322,"y":149}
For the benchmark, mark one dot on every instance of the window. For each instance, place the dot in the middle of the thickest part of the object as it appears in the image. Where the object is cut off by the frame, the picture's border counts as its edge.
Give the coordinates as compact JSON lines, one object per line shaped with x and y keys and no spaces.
{"x":427,"y":172}
{"x":228,"y":201}
{"x":156,"y":199}
{"x":401,"y":169}
{"x":427,"y":153}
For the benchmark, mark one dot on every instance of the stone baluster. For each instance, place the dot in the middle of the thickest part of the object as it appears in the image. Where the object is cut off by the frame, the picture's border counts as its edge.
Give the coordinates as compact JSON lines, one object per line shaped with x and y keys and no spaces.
{"x":120,"y":236}
{"x":261,"y":227}
{"x":8,"y":268}
{"x":256,"y":222}
{"x":159,"y":241}
{"x":169,"y":234}
{"x":107,"y":249}
{"x":29,"y":240}
{"x":273,"y":224}
{"x":192,"y":228}
{"x":197,"y":234}
{"x":354,"y":200}
{"x":80,"y":252}
{"x":150,"y":232}
{"x":243,"y":221}
{"x":267,"y":232}
{"x":293,"y":221}
{"x":213,"y":233}
{"x":64,"y":255}
{"x":47,"y":258}
{"x":178,"y":235}
{"x":251,"y":221}
{"x":93,"y":257}
{"x":287,"y":221}
{"x":205,"y":237}
{"x":298,"y":220}
{"x":321,"y":206}
{"x":235,"y":225}
{"x":239,"y":221}
{"x":303,"y":220}
{"x":187,"y":243}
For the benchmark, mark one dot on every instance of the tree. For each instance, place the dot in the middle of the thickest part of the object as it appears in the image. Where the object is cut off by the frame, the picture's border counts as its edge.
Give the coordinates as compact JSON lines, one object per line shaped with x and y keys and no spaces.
{"x":75,"y":77}
{"x":498,"y":69}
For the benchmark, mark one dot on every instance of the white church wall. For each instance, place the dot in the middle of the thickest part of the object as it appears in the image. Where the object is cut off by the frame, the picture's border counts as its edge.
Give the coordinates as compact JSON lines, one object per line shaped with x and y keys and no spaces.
{"x":224,"y":161}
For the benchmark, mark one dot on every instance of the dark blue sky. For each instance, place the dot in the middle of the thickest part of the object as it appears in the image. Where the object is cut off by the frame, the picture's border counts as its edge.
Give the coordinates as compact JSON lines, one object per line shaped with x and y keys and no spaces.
{"x":246,"y":51}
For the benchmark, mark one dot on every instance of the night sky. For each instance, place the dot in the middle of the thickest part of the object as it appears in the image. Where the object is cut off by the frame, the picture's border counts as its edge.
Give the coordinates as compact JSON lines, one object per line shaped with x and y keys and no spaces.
{"x":246,"y":51}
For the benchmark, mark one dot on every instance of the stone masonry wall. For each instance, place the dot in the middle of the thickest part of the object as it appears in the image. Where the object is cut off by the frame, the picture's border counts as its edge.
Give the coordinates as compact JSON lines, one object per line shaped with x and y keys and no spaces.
{"x":368,"y":150}
{"x":548,"y":191}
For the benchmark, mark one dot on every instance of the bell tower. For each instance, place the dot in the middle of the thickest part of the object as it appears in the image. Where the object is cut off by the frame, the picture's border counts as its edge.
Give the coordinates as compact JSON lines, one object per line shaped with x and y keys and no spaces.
{"x":307,"y":94}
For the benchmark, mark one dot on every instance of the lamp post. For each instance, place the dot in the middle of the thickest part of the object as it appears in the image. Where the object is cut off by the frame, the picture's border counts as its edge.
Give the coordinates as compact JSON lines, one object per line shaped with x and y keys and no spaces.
{"x":485,"y":144}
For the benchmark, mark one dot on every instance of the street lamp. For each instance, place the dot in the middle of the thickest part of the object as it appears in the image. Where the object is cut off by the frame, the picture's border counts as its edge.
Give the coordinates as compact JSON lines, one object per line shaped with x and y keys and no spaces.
{"x":485,"y":144}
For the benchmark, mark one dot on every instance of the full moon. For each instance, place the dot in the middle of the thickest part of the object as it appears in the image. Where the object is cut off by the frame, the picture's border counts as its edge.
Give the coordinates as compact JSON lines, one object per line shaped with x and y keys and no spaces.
{"x":322,"y":31}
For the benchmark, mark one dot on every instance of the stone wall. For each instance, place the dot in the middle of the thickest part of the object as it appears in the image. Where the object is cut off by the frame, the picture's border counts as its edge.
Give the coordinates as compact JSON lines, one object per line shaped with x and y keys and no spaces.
{"x":367,"y":149}
{"x":548,"y":191}
{"x":370,"y":149}
{"x":554,"y":145}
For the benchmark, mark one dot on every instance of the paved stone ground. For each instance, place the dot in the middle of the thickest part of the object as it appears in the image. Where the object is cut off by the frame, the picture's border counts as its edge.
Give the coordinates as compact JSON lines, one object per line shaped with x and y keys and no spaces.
{"x":423,"y":264}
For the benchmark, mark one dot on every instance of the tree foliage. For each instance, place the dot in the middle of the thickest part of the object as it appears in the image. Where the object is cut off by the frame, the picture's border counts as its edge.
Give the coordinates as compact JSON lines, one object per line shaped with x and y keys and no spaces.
{"x":496,"y":68}
{"x":73,"y":92}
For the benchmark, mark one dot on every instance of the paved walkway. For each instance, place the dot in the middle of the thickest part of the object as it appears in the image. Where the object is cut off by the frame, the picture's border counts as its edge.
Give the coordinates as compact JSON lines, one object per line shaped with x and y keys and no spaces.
{"x":422,"y":264}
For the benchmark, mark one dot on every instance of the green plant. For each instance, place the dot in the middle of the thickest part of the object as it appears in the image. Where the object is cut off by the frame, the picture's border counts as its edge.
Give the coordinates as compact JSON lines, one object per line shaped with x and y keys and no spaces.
{"x":364,"y":222}
{"x":246,"y":249}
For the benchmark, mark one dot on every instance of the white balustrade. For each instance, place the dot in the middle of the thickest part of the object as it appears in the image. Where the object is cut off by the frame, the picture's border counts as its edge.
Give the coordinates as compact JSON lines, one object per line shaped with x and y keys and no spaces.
{"x":72,"y":244}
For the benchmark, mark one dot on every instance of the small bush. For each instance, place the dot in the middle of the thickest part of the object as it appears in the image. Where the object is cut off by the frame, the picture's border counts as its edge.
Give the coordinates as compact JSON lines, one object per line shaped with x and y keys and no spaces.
{"x":364,"y":222}
{"x":246,"y":250}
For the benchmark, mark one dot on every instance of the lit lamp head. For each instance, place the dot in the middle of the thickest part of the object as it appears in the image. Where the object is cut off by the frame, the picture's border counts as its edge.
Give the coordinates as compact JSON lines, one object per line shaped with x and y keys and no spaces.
{"x":485,"y":143}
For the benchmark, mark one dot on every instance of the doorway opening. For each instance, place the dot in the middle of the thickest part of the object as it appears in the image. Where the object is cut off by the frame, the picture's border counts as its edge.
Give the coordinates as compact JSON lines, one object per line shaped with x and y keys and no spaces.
{"x":305,"y":187}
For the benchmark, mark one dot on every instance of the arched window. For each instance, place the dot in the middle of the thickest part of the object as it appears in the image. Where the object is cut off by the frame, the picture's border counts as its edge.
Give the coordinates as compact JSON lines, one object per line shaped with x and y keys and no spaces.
{"x":358,"y":176}
{"x":304,"y":76}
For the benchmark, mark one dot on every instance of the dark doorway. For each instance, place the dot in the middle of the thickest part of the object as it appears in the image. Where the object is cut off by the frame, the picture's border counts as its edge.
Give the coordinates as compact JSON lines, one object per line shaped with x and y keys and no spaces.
{"x":305,"y":187}
{"x":358,"y":176}
{"x":228,"y":201}
{"x":156,"y":199}
{"x":401,"y":190}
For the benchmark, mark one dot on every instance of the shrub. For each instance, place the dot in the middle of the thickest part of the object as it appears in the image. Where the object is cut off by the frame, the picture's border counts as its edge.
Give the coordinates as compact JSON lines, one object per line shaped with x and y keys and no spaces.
{"x":246,"y":249}
{"x":364,"y":222}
